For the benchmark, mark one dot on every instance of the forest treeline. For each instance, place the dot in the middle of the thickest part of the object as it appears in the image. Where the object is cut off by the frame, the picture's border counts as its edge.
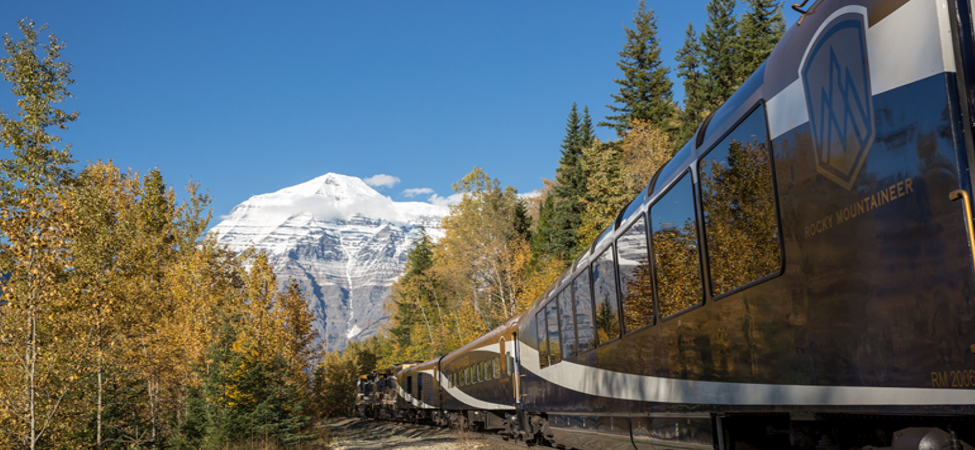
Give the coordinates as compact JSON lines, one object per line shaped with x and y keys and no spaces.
{"x":501,"y":251}
{"x":123,"y":324}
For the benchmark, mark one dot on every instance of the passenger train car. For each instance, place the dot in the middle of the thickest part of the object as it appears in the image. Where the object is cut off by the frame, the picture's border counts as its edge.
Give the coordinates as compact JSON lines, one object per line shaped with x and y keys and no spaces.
{"x":800,"y":275}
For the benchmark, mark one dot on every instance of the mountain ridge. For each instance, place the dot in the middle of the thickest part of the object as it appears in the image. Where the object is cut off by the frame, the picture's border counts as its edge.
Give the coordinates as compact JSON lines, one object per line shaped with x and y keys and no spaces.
{"x":343,"y":241}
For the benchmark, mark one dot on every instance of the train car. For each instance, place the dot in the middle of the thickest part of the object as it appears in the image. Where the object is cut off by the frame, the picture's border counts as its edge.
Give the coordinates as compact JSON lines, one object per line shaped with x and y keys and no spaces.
{"x":418,"y":393}
{"x":367,"y":396}
{"x":801,"y":274}
{"x":479,"y":381}
{"x":373,"y":396}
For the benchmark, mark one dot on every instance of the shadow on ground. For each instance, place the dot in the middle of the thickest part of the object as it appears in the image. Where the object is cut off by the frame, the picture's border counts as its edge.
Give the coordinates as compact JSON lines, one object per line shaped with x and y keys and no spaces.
{"x":366,"y":434}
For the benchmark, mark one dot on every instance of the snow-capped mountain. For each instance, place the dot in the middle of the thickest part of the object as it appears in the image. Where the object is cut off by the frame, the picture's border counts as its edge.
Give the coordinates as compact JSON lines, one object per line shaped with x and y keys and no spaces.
{"x":341,"y":239}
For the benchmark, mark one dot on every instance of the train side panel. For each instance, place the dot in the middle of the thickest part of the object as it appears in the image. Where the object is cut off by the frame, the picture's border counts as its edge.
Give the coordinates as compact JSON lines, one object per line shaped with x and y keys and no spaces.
{"x":866,"y":306}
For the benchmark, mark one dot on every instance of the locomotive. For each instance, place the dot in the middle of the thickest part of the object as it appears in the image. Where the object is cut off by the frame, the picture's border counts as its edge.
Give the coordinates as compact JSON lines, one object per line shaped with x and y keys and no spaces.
{"x":800,"y":275}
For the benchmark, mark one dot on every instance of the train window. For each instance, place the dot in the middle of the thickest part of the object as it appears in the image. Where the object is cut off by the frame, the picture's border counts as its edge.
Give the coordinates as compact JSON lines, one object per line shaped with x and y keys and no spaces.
{"x":568,"y":330}
{"x":497,"y":367}
{"x":552,"y":317}
{"x":409,"y":385}
{"x":511,"y":365}
{"x":585,"y":332}
{"x":677,"y":265}
{"x":604,"y":289}
{"x":634,"y":270}
{"x":542,"y":338}
{"x":740,"y":223}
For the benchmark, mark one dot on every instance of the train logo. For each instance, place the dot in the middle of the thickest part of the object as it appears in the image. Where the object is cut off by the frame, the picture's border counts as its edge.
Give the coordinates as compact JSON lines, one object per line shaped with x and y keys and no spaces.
{"x":836,"y":78}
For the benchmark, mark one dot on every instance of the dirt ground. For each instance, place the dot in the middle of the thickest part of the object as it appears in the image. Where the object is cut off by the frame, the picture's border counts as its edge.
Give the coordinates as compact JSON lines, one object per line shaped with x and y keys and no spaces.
{"x":365,"y":434}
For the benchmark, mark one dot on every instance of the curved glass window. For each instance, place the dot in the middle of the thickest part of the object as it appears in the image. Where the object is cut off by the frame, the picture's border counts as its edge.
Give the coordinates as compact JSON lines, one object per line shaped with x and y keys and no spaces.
{"x":738,"y":200}
{"x":605,"y":297}
{"x":552,"y":317}
{"x":636,"y":285}
{"x":568,"y":331}
{"x":542,"y":338}
{"x":677,"y":265}
{"x":582,"y":297}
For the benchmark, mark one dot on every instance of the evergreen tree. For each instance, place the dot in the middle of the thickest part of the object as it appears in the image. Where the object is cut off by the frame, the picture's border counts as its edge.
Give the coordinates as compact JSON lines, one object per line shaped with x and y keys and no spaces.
{"x":566,"y":213}
{"x":244,"y":396}
{"x":419,"y":261}
{"x":586,"y":131}
{"x":541,"y":239}
{"x":719,"y":48}
{"x":759,"y":29}
{"x":695,"y":93}
{"x":645,"y":89}
{"x":523,"y":220}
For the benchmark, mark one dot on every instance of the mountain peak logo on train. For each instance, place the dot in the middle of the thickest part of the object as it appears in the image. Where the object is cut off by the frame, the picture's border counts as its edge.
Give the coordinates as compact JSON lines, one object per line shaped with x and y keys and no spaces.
{"x":836,"y":78}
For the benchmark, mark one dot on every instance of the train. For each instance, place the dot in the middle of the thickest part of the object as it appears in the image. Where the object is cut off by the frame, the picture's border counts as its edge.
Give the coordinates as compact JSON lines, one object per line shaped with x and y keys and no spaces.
{"x":801,"y":275}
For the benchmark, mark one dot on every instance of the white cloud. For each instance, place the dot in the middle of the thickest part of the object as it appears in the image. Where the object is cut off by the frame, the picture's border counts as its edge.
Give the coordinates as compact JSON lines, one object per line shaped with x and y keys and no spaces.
{"x":445,"y":201}
{"x":417,"y":191}
{"x":381,"y":180}
{"x":532,"y":194}
{"x":379,"y":207}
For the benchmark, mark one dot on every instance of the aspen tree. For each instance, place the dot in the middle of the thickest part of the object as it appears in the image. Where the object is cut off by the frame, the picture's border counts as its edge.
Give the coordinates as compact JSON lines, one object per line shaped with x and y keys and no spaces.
{"x":38,"y":368}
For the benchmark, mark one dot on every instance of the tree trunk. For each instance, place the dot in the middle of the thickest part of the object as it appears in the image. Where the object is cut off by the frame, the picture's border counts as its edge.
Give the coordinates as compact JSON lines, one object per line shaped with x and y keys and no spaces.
{"x":98,"y":439}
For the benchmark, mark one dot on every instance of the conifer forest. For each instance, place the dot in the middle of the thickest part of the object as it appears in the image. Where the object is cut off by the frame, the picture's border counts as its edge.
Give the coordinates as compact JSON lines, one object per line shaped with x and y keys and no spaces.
{"x":123,"y":324}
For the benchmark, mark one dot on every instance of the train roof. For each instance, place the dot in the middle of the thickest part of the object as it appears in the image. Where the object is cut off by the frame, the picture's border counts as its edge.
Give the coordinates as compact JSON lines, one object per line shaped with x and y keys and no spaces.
{"x":490,"y":337}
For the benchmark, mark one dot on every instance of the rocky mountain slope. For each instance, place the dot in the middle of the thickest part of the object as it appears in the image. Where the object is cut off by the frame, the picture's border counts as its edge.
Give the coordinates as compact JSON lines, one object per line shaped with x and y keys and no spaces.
{"x":341,"y":239}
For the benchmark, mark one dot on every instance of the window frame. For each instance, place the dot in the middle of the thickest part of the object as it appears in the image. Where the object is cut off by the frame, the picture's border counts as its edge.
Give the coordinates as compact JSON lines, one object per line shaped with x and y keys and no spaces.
{"x":574,"y":345}
{"x":587,"y":270}
{"x":558,"y":328}
{"x":695,"y":194}
{"x":653,"y":278}
{"x":775,"y":200}
{"x":539,"y":332}
{"x":592,"y":292}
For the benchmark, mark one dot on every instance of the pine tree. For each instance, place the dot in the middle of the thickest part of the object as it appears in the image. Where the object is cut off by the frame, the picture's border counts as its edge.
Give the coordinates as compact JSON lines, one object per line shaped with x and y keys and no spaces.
{"x":720,"y":48}
{"x":695,"y":95}
{"x":541,"y":239}
{"x":419,"y":262}
{"x":586,"y":131}
{"x":566,"y":213}
{"x":645,"y":89}
{"x":759,"y":29}
{"x":245,"y":395}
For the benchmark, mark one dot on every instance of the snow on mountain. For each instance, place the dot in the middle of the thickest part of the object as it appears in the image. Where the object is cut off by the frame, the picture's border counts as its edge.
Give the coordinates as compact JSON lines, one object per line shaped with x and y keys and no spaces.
{"x":341,"y":239}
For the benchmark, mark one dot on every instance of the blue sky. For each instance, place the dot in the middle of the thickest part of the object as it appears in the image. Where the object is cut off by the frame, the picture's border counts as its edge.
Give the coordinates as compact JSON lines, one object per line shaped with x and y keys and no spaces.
{"x":251,"y":97}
